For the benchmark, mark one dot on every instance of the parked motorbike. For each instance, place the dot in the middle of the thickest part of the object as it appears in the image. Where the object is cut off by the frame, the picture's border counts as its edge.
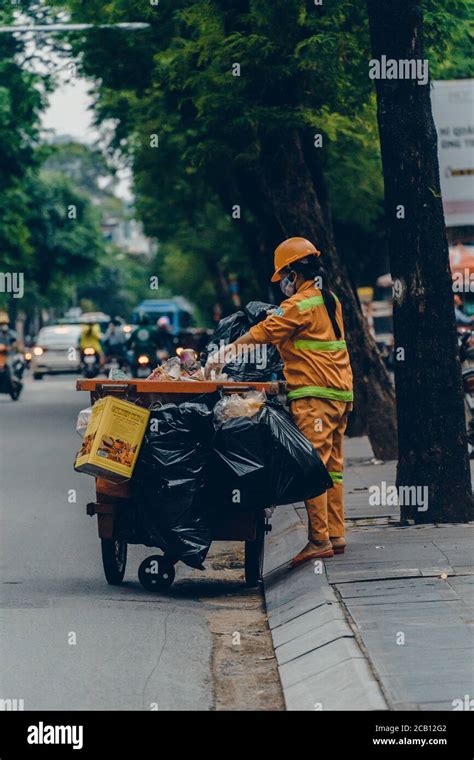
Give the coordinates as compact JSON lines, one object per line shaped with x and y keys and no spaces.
{"x":10,"y":373}
{"x":90,"y":363}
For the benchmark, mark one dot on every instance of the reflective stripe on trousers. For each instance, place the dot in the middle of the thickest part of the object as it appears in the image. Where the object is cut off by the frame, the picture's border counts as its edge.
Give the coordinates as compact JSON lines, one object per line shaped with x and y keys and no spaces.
{"x":323,"y":422}
{"x":317,"y":391}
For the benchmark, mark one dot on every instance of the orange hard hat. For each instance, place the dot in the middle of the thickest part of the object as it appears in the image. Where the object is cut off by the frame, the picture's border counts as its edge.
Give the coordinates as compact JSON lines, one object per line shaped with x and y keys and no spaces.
{"x":291,"y":250}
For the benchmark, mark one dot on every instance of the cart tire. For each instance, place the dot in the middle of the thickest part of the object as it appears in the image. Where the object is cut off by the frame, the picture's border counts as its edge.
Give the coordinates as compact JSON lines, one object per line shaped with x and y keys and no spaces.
{"x":156,"y":573}
{"x":114,"y":560}
{"x":254,"y":553}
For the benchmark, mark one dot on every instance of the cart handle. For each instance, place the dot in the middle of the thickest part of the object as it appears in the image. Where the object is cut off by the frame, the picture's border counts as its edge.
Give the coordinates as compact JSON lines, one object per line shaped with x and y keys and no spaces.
{"x":275,"y":387}
{"x":239,"y":389}
{"x":116,"y":387}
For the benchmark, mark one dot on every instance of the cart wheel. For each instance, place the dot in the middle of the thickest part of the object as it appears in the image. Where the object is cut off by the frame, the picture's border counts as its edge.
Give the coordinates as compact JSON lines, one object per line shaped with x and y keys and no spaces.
{"x":254,"y":552}
{"x":114,"y":560}
{"x":156,"y":573}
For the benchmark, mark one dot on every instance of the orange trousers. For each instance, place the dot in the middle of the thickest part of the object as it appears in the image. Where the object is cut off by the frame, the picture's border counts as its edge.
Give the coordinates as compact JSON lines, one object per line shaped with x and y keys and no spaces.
{"x":323,"y":422}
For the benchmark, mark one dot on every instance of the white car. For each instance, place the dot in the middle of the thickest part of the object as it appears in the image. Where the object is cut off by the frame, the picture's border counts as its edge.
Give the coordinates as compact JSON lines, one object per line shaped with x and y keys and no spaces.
{"x":56,"y":350}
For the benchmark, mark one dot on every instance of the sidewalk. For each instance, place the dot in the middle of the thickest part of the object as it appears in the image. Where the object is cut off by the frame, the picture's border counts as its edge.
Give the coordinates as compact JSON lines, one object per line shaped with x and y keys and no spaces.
{"x":386,"y":626}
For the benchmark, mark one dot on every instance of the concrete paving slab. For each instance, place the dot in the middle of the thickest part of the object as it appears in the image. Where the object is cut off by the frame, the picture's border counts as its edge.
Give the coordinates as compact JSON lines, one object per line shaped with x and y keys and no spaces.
{"x":433,"y":640}
{"x":415,"y":580}
{"x":443,"y":706}
{"x":322,"y":660}
{"x":313,"y":620}
{"x":395,"y":590}
{"x":283,"y":586}
{"x":436,"y":689}
{"x":312,"y":639}
{"x":370,"y":573}
{"x":299,"y":606}
{"x":419,"y":616}
{"x":351,"y":688}
{"x":309,"y":627}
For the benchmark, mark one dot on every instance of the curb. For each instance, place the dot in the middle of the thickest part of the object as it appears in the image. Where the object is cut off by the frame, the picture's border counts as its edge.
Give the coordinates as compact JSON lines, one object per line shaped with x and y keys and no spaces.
{"x":320,"y":663}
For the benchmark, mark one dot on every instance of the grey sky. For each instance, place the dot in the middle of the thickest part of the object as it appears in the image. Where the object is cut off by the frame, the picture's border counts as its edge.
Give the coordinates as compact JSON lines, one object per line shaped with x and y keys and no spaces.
{"x":69,"y":113}
{"x":68,"y":110}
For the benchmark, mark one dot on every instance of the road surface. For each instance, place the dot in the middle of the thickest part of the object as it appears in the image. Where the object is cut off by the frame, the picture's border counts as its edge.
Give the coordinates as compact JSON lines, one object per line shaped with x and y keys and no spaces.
{"x":70,"y":641}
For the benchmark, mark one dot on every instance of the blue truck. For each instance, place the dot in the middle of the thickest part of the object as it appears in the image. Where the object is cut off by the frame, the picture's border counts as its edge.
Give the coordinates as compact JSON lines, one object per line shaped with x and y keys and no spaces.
{"x":178,"y":310}
{"x":180,"y":313}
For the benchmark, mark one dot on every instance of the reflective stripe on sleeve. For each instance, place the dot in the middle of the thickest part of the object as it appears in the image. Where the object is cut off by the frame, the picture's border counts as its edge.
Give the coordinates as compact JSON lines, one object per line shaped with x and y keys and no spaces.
{"x":320,"y":345}
{"x":308,"y":303}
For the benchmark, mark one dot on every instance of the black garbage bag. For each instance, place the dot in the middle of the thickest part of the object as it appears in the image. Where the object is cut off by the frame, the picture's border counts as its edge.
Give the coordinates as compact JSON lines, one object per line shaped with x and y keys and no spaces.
{"x":266,"y":366}
{"x":263,"y":461}
{"x":255,"y":311}
{"x":237,"y":478}
{"x":229,"y":329}
{"x":169,"y":479}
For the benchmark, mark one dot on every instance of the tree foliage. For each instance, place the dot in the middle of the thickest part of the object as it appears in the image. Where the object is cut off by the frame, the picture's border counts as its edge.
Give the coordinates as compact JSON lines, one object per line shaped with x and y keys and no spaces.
{"x":37,"y":236}
{"x":302,"y":67}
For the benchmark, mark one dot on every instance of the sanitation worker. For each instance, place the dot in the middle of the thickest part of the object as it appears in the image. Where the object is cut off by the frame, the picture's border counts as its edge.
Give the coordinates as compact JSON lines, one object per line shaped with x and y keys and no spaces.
{"x":308,"y":330}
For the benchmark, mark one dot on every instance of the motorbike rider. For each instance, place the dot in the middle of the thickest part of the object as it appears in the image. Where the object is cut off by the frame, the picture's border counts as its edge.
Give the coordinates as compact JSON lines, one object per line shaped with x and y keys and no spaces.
{"x":90,"y":338}
{"x":115,"y":339}
{"x":9,"y":338}
{"x":163,"y":337}
{"x":308,"y":330}
{"x":143,"y":338}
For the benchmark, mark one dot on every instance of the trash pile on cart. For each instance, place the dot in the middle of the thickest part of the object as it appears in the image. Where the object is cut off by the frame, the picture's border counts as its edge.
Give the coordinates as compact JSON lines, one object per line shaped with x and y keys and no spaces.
{"x":189,"y":462}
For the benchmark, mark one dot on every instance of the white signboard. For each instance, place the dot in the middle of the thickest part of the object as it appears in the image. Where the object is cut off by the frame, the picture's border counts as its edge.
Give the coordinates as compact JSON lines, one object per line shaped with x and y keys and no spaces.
{"x":453,"y":113}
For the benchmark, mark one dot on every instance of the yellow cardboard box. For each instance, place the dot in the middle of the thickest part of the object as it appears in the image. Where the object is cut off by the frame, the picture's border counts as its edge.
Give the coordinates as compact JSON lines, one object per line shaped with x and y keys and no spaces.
{"x":112,"y":439}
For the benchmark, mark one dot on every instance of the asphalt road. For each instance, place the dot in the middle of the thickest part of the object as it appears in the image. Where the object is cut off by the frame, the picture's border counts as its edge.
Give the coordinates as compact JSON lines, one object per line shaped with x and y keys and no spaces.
{"x":67,"y":639}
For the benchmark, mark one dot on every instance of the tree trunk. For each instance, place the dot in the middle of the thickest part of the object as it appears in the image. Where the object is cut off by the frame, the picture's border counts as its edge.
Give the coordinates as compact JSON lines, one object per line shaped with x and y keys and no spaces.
{"x":286,"y":199}
{"x":431,"y":430}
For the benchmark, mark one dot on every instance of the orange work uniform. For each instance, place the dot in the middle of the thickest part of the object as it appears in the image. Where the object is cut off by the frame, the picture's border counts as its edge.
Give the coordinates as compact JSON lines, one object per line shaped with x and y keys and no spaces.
{"x":319,"y":383}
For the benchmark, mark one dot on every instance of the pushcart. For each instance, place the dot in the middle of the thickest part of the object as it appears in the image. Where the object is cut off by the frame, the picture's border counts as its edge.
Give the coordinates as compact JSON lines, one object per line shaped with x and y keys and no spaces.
{"x":157,"y":572}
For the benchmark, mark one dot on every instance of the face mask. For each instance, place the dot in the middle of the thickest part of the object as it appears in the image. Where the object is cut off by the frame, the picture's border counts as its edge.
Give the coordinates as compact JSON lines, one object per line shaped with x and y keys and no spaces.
{"x":287,"y":285}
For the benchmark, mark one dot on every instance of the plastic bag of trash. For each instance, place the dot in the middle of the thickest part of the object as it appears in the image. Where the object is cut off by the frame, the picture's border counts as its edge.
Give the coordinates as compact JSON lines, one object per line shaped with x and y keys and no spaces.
{"x":229,"y":329}
{"x":238,"y":405}
{"x":263,"y":461}
{"x":169,"y":478}
{"x":169,"y":370}
{"x":256,"y":311}
{"x":118,"y":374}
{"x":83,"y":420}
{"x":252,"y":363}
